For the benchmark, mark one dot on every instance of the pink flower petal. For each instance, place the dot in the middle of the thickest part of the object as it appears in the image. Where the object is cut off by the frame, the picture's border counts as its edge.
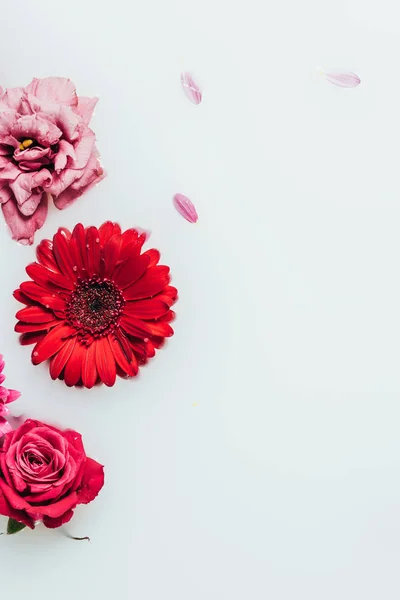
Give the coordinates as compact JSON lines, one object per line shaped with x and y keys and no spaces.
{"x":345,"y":79}
{"x":190,"y":87}
{"x":185,"y":207}
{"x":5,"y":427}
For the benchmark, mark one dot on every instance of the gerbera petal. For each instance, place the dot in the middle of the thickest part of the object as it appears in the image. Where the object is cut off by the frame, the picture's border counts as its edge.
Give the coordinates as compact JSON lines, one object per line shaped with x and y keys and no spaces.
{"x":105,"y":362}
{"x":93,"y":250}
{"x":135,"y":326}
{"x":130,"y":271}
{"x":73,"y":368}
{"x":52,"y":343}
{"x":161,"y":329}
{"x":20,"y":297}
{"x":89,"y":370}
{"x":32,"y":327}
{"x":153,"y":282}
{"x":171,"y":291}
{"x":27,"y":339}
{"x":146,"y":309}
{"x":35,"y":314}
{"x":59,"y":361}
{"x":142,"y":349}
{"x":40,"y":295}
{"x":78,"y":249}
{"x":110,"y":255}
{"x":153,"y":255}
{"x":48,"y":279}
{"x":61,"y":246}
{"x":107,"y":230}
{"x":128,"y":366}
{"x":45,"y":256}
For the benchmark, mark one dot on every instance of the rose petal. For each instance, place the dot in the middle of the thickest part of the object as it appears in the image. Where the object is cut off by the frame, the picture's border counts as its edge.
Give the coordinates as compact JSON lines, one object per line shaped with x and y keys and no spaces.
{"x":185,"y":207}
{"x":22,"y":227}
{"x":345,"y":79}
{"x":190,"y":88}
{"x":54,"y":89}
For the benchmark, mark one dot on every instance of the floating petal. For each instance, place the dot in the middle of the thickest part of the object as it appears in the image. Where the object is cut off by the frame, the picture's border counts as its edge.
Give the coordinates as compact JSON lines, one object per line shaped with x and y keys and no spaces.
{"x":191,"y":89}
{"x":345,"y":79}
{"x":185,"y":207}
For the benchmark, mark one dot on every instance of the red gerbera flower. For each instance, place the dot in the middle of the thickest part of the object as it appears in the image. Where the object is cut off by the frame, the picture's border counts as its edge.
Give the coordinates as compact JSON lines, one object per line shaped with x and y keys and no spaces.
{"x":97,"y":306}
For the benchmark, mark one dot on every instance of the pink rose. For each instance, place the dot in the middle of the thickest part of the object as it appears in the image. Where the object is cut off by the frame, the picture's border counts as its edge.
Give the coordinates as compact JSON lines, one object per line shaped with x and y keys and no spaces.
{"x":47,"y":150}
{"x":6,"y":396}
{"x":45,"y":474}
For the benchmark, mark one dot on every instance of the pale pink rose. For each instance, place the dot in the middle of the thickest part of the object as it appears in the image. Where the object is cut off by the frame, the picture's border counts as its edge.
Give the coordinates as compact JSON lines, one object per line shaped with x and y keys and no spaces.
{"x":47,"y":151}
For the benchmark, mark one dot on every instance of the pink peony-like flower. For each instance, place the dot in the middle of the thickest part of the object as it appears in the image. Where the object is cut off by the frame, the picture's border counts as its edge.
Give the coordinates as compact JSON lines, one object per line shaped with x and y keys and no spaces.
{"x":6,"y":396}
{"x":47,"y":151}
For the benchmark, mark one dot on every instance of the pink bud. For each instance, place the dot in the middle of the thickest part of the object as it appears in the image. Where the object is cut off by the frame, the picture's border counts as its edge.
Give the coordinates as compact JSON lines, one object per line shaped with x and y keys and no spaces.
{"x":345,"y":79}
{"x":185,"y":207}
{"x":190,"y":87}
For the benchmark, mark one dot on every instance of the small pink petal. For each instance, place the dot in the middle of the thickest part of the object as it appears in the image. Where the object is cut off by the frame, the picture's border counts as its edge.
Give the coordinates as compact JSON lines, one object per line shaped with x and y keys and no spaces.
{"x":5,"y":427}
{"x":185,"y":207}
{"x":345,"y":79}
{"x":13,"y":395}
{"x":190,"y":87}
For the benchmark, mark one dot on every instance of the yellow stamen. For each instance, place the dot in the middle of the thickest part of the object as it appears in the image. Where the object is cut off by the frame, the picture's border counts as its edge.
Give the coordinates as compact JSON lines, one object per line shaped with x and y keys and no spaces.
{"x":27,"y":143}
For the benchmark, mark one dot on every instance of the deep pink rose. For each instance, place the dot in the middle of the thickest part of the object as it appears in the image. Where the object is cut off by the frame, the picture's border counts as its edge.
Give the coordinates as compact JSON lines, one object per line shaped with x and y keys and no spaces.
{"x":45,"y":474}
{"x":47,"y":150}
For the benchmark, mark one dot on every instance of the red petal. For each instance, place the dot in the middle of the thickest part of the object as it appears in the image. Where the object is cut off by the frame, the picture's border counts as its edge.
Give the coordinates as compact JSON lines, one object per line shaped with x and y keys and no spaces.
{"x":154,"y":257}
{"x":62,"y":253}
{"x":52,"y":343}
{"x":31,"y":327}
{"x":105,"y":362}
{"x":33,"y":290}
{"x":36,"y":293}
{"x":130,"y":271}
{"x":20,"y":297}
{"x":89,"y":371}
{"x":59,"y":361}
{"x":110,"y":255}
{"x":146,"y":309}
{"x":73,"y":368}
{"x":26,"y":339}
{"x":107,"y":230}
{"x":135,"y":326}
{"x":93,"y":250}
{"x":35,"y":314}
{"x":132,"y":242}
{"x":167,"y":318}
{"x":92,"y":481}
{"x":171,"y":291}
{"x":48,"y":279}
{"x":78,"y":249}
{"x":145,"y":350}
{"x":161,"y":329}
{"x":128,"y":365}
{"x":152,"y":282}
{"x":44,"y":254}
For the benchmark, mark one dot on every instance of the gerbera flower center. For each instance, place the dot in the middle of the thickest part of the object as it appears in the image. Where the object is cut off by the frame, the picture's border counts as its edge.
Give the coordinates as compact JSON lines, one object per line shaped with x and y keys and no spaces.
{"x":95,"y":306}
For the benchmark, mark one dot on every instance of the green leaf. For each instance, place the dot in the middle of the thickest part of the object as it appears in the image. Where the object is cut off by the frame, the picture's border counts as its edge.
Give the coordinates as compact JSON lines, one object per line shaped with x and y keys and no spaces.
{"x":14,"y":526}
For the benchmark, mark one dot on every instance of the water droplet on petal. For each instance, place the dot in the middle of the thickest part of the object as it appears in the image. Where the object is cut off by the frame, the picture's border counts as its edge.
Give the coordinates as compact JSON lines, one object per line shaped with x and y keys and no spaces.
{"x":74,"y":268}
{"x":97,"y":240}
